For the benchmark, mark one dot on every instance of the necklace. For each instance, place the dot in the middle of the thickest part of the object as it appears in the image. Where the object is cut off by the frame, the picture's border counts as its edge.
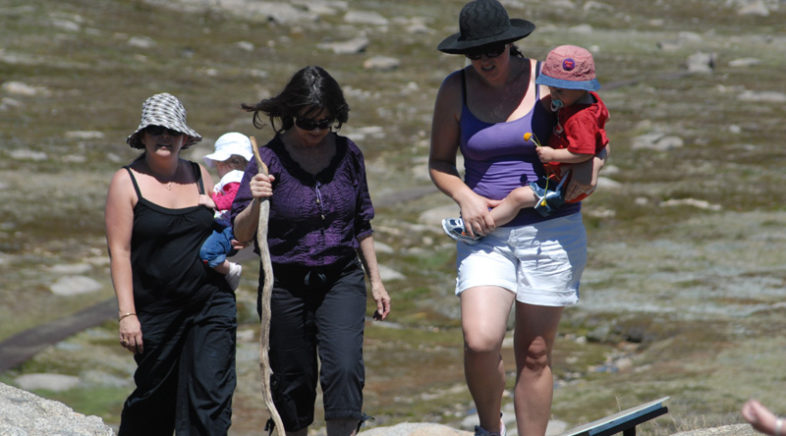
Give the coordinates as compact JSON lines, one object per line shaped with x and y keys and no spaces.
{"x":168,"y":182}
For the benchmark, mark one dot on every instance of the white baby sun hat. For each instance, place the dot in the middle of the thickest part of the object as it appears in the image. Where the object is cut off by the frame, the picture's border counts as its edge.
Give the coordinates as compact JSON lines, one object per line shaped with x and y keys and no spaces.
{"x":229,"y":144}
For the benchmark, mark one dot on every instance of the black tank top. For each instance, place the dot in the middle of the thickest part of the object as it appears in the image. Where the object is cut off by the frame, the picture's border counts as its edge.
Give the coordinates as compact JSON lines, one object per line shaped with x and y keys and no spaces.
{"x":165,"y":243}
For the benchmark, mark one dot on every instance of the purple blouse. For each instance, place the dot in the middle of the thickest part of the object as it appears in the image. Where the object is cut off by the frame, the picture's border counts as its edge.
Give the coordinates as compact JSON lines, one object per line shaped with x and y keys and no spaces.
{"x":314,"y":220}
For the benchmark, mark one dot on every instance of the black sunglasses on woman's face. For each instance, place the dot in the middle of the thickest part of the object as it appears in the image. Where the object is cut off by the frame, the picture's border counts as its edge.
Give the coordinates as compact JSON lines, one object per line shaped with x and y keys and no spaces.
{"x":160,"y":130}
{"x":311,"y":124}
{"x":490,"y":51}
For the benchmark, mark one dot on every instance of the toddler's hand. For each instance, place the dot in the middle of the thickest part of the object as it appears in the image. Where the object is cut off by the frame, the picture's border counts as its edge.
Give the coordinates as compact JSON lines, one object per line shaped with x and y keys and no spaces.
{"x":545,"y":154}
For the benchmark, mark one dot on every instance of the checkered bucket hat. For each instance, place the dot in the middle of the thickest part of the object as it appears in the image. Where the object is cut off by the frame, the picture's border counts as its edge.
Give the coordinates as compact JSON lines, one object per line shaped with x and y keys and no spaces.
{"x":164,"y":110}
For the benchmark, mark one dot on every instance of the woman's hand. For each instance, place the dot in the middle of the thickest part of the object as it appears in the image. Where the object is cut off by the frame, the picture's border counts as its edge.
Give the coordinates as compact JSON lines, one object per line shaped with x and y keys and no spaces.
{"x":382,"y":299}
{"x":584,"y":178}
{"x":262,"y":186}
{"x":237,"y":245}
{"x":131,"y":334}
{"x":476,"y":214}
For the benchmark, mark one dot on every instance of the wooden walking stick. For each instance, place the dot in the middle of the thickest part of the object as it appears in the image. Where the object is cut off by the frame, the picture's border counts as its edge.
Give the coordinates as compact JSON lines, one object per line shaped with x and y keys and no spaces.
{"x":267,"y":289}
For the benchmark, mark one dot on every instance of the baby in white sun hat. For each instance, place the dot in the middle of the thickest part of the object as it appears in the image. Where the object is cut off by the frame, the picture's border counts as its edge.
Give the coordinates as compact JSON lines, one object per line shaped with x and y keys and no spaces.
{"x":231,"y":155}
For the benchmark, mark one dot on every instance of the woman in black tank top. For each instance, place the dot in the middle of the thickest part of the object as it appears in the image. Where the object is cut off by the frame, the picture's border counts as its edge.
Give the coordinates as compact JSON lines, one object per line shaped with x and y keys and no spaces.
{"x":175,"y":314}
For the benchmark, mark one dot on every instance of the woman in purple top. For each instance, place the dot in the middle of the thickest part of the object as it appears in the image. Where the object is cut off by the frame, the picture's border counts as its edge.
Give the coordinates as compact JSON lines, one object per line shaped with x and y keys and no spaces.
{"x":319,"y":223}
{"x":533,"y":262}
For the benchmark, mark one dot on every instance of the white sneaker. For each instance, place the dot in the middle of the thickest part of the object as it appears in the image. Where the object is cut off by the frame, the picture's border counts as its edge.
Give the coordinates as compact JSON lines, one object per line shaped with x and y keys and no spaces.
{"x":233,"y":276}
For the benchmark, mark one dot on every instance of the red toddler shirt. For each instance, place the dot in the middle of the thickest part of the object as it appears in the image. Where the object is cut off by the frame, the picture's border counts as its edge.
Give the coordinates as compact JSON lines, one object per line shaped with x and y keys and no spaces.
{"x":581,"y":129}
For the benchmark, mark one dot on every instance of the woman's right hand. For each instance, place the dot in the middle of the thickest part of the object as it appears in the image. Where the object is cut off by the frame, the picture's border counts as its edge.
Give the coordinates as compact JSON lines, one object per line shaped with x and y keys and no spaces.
{"x":131,"y":334}
{"x":262,"y":186}
{"x":475,"y":211}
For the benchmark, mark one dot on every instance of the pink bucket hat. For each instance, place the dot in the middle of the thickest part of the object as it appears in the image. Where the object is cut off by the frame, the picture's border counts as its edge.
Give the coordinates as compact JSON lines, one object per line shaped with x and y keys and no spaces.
{"x":569,"y":67}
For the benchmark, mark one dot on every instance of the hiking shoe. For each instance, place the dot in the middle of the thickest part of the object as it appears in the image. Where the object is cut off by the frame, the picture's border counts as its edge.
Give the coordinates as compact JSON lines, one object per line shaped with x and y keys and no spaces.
{"x":480,"y":431}
{"x":454,"y":227}
{"x":233,"y":276}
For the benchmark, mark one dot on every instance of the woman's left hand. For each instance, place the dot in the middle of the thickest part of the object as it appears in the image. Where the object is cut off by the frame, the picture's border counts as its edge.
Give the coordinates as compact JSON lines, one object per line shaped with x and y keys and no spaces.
{"x":584,"y":177}
{"x":382,"y":299}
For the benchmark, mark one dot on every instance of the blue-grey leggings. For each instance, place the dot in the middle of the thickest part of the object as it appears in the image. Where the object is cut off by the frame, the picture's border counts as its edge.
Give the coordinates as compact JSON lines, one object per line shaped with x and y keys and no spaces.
{"x":317,"y":312}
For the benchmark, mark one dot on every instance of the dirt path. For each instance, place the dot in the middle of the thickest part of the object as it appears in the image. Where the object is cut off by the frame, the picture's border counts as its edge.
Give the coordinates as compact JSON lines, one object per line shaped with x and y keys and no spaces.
{"x":19,"y":348}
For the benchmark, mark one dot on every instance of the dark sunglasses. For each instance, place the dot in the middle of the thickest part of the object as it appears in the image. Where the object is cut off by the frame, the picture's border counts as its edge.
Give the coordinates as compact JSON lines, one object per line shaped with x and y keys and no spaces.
{"x":490,"y":51}
{"x":311,"y":124}
{"x":160,"y":130}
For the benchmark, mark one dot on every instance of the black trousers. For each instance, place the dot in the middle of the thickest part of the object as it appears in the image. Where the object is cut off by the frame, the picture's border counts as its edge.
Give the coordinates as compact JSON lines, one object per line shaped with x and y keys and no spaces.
{"x":318,"y":316}
{"x":186,"y":377}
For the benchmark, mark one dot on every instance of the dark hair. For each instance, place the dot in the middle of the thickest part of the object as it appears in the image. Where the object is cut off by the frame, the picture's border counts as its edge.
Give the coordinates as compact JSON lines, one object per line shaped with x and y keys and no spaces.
{"x":311,"y":88}
{"x":515,"y":52}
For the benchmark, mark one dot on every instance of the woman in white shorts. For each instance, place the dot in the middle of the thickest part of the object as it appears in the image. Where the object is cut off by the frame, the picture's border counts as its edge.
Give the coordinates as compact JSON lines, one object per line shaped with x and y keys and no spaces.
{"x":484,"y":110}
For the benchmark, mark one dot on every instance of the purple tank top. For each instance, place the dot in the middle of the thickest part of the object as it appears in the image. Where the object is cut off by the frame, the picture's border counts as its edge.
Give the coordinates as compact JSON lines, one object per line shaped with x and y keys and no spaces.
{"x":497,"y":159}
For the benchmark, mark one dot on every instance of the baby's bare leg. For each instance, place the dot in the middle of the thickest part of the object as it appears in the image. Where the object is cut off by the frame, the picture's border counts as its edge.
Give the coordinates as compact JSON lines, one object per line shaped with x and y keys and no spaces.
{"x":518,"y":199}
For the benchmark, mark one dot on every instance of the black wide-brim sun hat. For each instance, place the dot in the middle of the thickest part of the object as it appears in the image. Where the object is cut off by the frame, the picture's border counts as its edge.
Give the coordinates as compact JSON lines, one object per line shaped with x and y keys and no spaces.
{"x":484,"y":22}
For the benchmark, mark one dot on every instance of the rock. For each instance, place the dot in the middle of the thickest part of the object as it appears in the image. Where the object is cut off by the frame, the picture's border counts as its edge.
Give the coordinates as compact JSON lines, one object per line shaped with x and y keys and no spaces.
{"x":701,"y":62}
{"x":72,"y":268}
{"x":556,"y":427}
{"x":583,"y":29}
{"x":656,"y":141}
{"x":352,"y":46}
{"x":593,"y":5}
{"x":23,"y":89}
{"x":359,"y":134}
{"x":605,"y":183}
{"x":433,"y":217}
{"x":692,"y":202}
{"x":141,"y":42}
{"x":66,"y":25}
{"x":245,"y":45}
{"x":22,"y":413}
{"x":362,"y":17}
{"x":726,"y":430}
{"x":600,"y":334}
{"x":415,"y":429}
{"x":49,"y":382}
{"x":744,"y":62}
{"x":25,"y":154}
{"x":389,"y":274}
{"x":381,"y":247}
{"x":9,"y":103}
{"x":74,"y":285}
{"x":381,"y":63}
{"x":762,"y":96}
{"x":281,"y":12}
{"x":417,"y":26}
{"x":84,"y":134}
{"x":757,"y":7}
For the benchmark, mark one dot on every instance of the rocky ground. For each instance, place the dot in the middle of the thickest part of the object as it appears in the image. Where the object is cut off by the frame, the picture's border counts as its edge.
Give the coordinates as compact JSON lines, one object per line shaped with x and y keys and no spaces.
{"x":684,"y":295}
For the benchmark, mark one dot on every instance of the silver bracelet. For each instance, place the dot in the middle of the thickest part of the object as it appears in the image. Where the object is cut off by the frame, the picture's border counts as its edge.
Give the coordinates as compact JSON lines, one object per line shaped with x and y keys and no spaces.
{"x":778,"y":426}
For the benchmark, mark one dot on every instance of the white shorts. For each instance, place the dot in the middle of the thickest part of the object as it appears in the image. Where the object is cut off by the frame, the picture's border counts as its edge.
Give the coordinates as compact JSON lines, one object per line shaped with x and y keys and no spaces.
{"x":541,"y":263}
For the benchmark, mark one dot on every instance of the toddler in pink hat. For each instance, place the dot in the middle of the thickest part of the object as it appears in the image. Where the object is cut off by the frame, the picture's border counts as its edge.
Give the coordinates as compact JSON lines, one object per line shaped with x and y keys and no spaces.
{"x":579,"y":133}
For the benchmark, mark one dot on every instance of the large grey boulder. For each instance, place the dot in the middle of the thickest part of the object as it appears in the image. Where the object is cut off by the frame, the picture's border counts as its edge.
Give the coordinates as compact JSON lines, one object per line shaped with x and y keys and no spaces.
{"x":25,"y":414}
